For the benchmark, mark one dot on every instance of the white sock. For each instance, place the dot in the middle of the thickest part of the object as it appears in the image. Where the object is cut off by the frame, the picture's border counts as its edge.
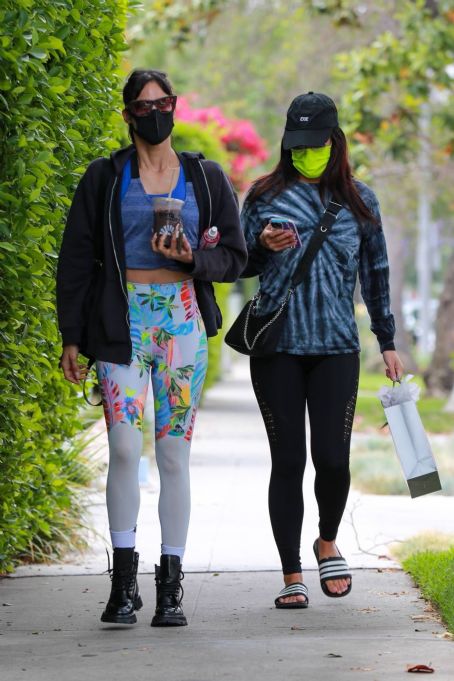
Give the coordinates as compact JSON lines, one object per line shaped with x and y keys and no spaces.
{"x":173,"y":551}
{"x":123,"y":540}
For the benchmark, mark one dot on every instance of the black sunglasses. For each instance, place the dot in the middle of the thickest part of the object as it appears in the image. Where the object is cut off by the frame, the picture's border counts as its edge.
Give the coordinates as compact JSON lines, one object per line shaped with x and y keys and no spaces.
{"x":144,"y":107}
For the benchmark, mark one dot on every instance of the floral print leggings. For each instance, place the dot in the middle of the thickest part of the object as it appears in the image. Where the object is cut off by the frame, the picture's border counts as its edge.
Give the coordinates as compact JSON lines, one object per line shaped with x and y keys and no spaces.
{"x":169,"y":344}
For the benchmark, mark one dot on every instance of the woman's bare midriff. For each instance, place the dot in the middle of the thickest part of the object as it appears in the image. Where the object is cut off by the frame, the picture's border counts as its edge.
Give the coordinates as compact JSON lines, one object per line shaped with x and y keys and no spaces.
{"x":158,"y":276}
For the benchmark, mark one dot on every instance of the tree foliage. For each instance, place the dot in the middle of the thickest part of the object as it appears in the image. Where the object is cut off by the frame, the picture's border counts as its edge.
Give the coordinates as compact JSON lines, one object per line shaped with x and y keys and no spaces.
{"x":342,"y":12}
{"x":403,"y":78}
{"x":250,"y":61}
{"x":178,"y":18}
{"x":182,"y":18}
{"x":389,"y":81}
{"x":58,"y":84}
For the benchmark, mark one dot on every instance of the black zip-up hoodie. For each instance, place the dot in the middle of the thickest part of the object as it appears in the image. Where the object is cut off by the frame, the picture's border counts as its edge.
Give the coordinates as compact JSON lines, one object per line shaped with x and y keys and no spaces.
{"x":92,"y":299}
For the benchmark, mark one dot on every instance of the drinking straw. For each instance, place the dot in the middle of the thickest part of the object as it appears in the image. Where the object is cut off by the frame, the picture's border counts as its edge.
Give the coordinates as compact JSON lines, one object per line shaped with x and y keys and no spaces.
{"x":171,"y":182}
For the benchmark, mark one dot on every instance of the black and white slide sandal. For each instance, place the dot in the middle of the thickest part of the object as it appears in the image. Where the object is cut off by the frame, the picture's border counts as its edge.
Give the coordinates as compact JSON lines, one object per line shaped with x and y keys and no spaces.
{"x":332,"y":568}
{"x":295,"y":589}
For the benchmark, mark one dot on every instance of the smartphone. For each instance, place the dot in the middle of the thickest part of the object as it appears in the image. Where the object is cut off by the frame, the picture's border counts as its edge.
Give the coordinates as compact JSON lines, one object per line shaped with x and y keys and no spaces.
{"x":284,"y":223}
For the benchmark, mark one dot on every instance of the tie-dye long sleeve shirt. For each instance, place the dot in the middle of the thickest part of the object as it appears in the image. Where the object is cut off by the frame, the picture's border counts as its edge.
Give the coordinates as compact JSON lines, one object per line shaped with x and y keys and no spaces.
{"x":321,"y":315}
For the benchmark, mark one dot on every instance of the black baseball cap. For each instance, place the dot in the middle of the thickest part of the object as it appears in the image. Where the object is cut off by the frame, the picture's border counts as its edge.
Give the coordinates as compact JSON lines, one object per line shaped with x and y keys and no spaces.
{"x":310,"y":121}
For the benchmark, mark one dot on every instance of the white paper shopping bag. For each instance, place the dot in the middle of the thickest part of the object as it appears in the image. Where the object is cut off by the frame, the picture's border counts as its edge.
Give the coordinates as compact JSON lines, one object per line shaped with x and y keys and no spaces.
{"x":409,"y":437}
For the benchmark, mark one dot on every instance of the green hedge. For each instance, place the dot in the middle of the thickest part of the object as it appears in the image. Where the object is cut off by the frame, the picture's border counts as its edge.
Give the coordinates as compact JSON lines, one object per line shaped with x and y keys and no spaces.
{"x":58,"y":88}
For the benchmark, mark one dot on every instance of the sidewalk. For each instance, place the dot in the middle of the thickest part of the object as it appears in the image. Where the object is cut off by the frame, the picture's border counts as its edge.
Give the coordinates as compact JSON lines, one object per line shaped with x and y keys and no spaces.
{"x":230,"y":527}
{"x":49,"y":615}
{"x":51,"y":632}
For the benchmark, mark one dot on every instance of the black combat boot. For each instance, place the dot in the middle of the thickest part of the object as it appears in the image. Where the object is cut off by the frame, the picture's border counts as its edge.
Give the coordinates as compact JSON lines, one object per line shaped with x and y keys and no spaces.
{"x":168,"y":576}
{"x":124,"y":595}
{"x":133,"y":587}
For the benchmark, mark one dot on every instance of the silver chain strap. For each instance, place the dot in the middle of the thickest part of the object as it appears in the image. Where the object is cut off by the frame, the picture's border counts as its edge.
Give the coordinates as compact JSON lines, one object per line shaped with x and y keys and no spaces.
{"x":252,"y":306}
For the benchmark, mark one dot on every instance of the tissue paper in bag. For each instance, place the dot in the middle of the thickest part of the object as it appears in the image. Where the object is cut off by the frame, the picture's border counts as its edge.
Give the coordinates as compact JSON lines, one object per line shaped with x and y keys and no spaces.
{"x":410,"y":440}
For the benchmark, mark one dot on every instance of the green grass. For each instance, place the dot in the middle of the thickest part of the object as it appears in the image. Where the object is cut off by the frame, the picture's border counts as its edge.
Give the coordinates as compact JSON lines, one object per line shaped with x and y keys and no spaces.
{"x":422,"y":542}
{"x":372,"y":382}
{"x":375,"y":468}
{"x":433,"y":572}
{"x":370,"y":415}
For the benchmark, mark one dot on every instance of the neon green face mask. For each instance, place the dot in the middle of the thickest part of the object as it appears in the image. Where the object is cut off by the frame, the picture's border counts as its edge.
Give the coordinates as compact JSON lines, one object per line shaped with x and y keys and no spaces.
{"x":311,"y":162}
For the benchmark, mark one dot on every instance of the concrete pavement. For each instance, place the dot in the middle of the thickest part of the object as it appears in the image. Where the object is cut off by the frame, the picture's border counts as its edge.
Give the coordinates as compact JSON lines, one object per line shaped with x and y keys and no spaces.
{"x":51,"y":630}
{"x":49,"y":615}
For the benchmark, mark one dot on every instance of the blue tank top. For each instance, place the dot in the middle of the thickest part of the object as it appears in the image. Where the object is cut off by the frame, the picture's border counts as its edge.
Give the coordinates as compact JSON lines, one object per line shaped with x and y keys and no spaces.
{"x":137,"y":219}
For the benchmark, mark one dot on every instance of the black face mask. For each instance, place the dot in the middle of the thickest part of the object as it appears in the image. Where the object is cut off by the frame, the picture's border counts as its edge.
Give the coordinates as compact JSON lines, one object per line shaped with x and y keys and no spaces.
{"x":154,"y":128}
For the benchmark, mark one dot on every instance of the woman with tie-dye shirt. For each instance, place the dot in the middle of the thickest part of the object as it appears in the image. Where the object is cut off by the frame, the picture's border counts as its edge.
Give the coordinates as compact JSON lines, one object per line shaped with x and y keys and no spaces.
{"x":317,"y":358}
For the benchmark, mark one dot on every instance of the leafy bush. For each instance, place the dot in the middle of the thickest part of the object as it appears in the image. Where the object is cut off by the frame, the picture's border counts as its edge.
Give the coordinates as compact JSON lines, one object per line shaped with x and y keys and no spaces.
{"x":197,"y":137}
{"x":58,"y":83}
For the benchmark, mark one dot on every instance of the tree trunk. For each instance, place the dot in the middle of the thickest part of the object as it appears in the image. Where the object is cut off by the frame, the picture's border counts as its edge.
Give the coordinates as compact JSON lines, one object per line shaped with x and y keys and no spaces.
{"x":432,"y":6}
{"x":449,"y":406}
{"x":439,"y":377}
{"x":396,"y":256}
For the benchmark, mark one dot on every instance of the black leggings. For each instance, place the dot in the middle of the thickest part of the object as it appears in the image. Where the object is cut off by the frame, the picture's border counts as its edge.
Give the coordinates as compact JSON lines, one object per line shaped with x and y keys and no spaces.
{"x":329,"y":384}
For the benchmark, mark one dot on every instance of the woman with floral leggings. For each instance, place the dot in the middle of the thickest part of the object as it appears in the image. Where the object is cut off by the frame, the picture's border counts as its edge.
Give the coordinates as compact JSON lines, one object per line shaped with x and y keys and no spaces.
{"x":142,"y":307}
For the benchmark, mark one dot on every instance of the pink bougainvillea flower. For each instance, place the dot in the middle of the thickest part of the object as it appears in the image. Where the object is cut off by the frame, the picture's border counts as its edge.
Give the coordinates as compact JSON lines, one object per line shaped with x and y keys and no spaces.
{"x":246,"y":148}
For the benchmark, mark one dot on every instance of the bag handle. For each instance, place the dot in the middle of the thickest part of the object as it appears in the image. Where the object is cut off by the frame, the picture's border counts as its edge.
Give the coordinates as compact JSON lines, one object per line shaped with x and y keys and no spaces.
{"x":84,"y":386}
{"x":327,"y":220}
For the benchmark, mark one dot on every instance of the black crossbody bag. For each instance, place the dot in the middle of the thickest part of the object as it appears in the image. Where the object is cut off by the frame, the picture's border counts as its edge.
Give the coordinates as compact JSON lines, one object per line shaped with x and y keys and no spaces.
{"x":258,"y":335}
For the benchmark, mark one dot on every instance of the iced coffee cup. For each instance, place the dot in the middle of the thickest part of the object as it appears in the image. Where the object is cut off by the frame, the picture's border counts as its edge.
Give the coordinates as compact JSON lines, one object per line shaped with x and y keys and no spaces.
{"x":167,"y":219}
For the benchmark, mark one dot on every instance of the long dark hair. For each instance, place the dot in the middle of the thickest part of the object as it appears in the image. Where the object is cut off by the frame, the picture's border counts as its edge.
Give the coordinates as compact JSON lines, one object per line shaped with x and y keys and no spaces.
{"x":137,"y":80}
{"x":337,"y":179}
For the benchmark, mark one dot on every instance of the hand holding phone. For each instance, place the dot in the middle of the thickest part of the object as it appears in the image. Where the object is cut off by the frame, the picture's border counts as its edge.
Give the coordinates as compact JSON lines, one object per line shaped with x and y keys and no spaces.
{"x":276,"y":239}
{"x":287,"y":225}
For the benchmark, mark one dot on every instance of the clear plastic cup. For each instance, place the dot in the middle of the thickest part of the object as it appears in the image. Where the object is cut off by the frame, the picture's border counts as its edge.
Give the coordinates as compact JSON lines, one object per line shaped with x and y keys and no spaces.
{"x":167,"y":219}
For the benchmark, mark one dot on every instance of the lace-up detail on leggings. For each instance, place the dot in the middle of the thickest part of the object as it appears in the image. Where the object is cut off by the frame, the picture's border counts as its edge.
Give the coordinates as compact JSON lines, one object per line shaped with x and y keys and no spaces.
{"x":349,"y":414}
{"x":267,"y":414}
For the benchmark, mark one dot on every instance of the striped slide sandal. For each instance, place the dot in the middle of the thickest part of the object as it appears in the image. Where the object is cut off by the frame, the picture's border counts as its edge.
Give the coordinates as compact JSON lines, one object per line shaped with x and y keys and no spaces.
{"x":332,"y":568}
{"x":295,"y":589}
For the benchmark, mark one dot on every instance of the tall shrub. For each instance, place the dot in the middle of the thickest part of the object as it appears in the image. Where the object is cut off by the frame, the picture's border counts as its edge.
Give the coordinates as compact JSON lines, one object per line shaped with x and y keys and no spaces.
{"x":58,"y":85}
